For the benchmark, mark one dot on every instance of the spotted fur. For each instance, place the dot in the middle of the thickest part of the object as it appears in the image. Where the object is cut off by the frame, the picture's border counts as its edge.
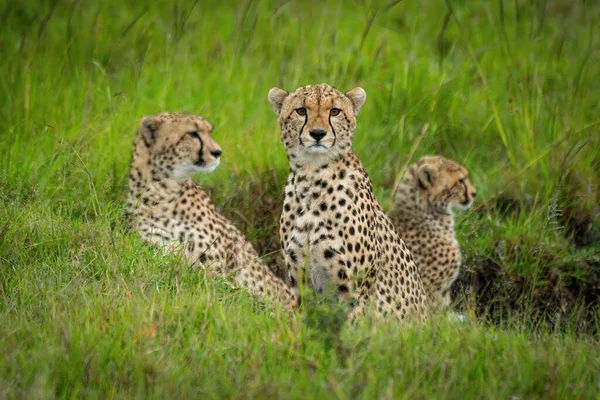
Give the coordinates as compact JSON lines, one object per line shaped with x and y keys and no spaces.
{"x":428,"y":194}
{"x":167,"y":208}
{"x":331,"y":221}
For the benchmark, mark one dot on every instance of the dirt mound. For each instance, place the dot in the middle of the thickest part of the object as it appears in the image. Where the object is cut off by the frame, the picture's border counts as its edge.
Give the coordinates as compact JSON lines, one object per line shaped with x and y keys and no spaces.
{"x":558,"y":297}
{"x":563,"y":291}
{"x":255,"y":208}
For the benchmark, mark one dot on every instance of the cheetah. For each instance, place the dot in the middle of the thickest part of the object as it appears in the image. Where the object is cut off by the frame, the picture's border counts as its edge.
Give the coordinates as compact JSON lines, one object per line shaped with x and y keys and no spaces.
{"x":167,"y":208}
{"x":331,"y":223}
{"x":427,"y":196}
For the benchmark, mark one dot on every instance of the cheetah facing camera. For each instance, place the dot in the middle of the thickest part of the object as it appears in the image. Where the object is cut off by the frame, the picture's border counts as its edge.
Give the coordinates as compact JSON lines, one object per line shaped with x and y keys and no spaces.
{"x":428,"y":194}
{"x":331,"y":222}
{"x":167,"y":208}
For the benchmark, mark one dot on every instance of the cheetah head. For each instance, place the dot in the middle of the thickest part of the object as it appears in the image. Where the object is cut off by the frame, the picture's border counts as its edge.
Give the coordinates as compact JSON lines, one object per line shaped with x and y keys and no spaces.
{"x":179,"y":145}
{"x":445,"y":184}
{"x":317,"y":121}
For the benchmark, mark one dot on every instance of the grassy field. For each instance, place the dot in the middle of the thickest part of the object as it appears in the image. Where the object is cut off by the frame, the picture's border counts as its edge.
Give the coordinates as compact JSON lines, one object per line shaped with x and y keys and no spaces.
{"x":510,"y":89}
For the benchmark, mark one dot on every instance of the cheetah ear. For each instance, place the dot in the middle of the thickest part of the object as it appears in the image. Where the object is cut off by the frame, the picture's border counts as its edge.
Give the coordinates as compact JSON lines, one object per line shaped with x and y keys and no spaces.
{"x":148,"y":128}
{"x":427,"y":175}
{"x":357,"y":96}
{"x":276,"y":97}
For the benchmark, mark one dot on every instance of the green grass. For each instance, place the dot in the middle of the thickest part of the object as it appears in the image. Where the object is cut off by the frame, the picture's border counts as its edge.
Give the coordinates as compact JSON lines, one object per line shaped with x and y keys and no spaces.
{"x":509,"y":89}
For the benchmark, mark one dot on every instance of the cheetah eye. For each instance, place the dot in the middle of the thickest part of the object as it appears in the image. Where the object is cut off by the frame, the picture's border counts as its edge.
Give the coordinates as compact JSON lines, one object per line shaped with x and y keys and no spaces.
{"x":301,"y":111}
{"x":194,"y":134}
{"x":334,"y":112}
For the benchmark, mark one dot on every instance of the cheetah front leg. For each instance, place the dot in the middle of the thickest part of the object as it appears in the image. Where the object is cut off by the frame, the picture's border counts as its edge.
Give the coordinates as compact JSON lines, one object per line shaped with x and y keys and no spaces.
{"x":318,"y":262}
{"x":153,"y":232}
{"x":330,"y":267}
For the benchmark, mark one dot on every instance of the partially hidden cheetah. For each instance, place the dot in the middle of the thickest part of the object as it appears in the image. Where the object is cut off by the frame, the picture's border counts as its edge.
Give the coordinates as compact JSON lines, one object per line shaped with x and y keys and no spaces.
{"x":331,"y":223}
{"x":167,"y":208}
{"x":427,"y":196}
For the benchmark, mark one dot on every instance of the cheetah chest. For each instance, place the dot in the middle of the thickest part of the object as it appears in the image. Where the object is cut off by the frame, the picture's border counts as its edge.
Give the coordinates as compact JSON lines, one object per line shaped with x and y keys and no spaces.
{"x":327,"y":234}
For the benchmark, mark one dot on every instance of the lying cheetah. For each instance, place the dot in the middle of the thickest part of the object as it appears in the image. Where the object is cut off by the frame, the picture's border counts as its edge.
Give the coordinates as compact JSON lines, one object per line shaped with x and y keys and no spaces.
{"x":330,"y":221}
{"x":167,"y":208}
{"x":428,"y":194}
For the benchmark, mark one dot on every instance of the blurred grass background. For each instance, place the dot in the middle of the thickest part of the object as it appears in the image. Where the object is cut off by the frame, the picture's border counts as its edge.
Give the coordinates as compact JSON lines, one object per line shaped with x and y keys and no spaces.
{"x":508,"y":88}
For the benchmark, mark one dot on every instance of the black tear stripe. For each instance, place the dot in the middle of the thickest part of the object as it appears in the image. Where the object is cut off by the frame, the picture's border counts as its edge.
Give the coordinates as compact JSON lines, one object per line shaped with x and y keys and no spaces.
{"x":201,"y":150}
{"x":301,"y":129}
{"x":332,"y":130}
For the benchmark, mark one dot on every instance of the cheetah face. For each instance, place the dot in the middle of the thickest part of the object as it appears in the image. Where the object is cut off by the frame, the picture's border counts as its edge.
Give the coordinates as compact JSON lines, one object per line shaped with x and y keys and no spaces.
{"x":317,"y":121}
{"x":445,"y":184}
{"x":180,"y":144}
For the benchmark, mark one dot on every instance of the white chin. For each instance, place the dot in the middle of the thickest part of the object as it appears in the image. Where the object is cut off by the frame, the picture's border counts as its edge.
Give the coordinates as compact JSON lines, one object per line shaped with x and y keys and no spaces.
{"x":317,"y":149}
{"x":209,"y":167}
{"x":189,"y":170}
{"x":460,"y":206}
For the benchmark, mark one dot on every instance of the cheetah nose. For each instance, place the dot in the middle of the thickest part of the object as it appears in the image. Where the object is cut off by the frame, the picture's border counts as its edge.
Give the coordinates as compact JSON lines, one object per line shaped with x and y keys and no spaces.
{"x":474,"y":194}
{"x":317,"y":134}
{"x":217,"y":153}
